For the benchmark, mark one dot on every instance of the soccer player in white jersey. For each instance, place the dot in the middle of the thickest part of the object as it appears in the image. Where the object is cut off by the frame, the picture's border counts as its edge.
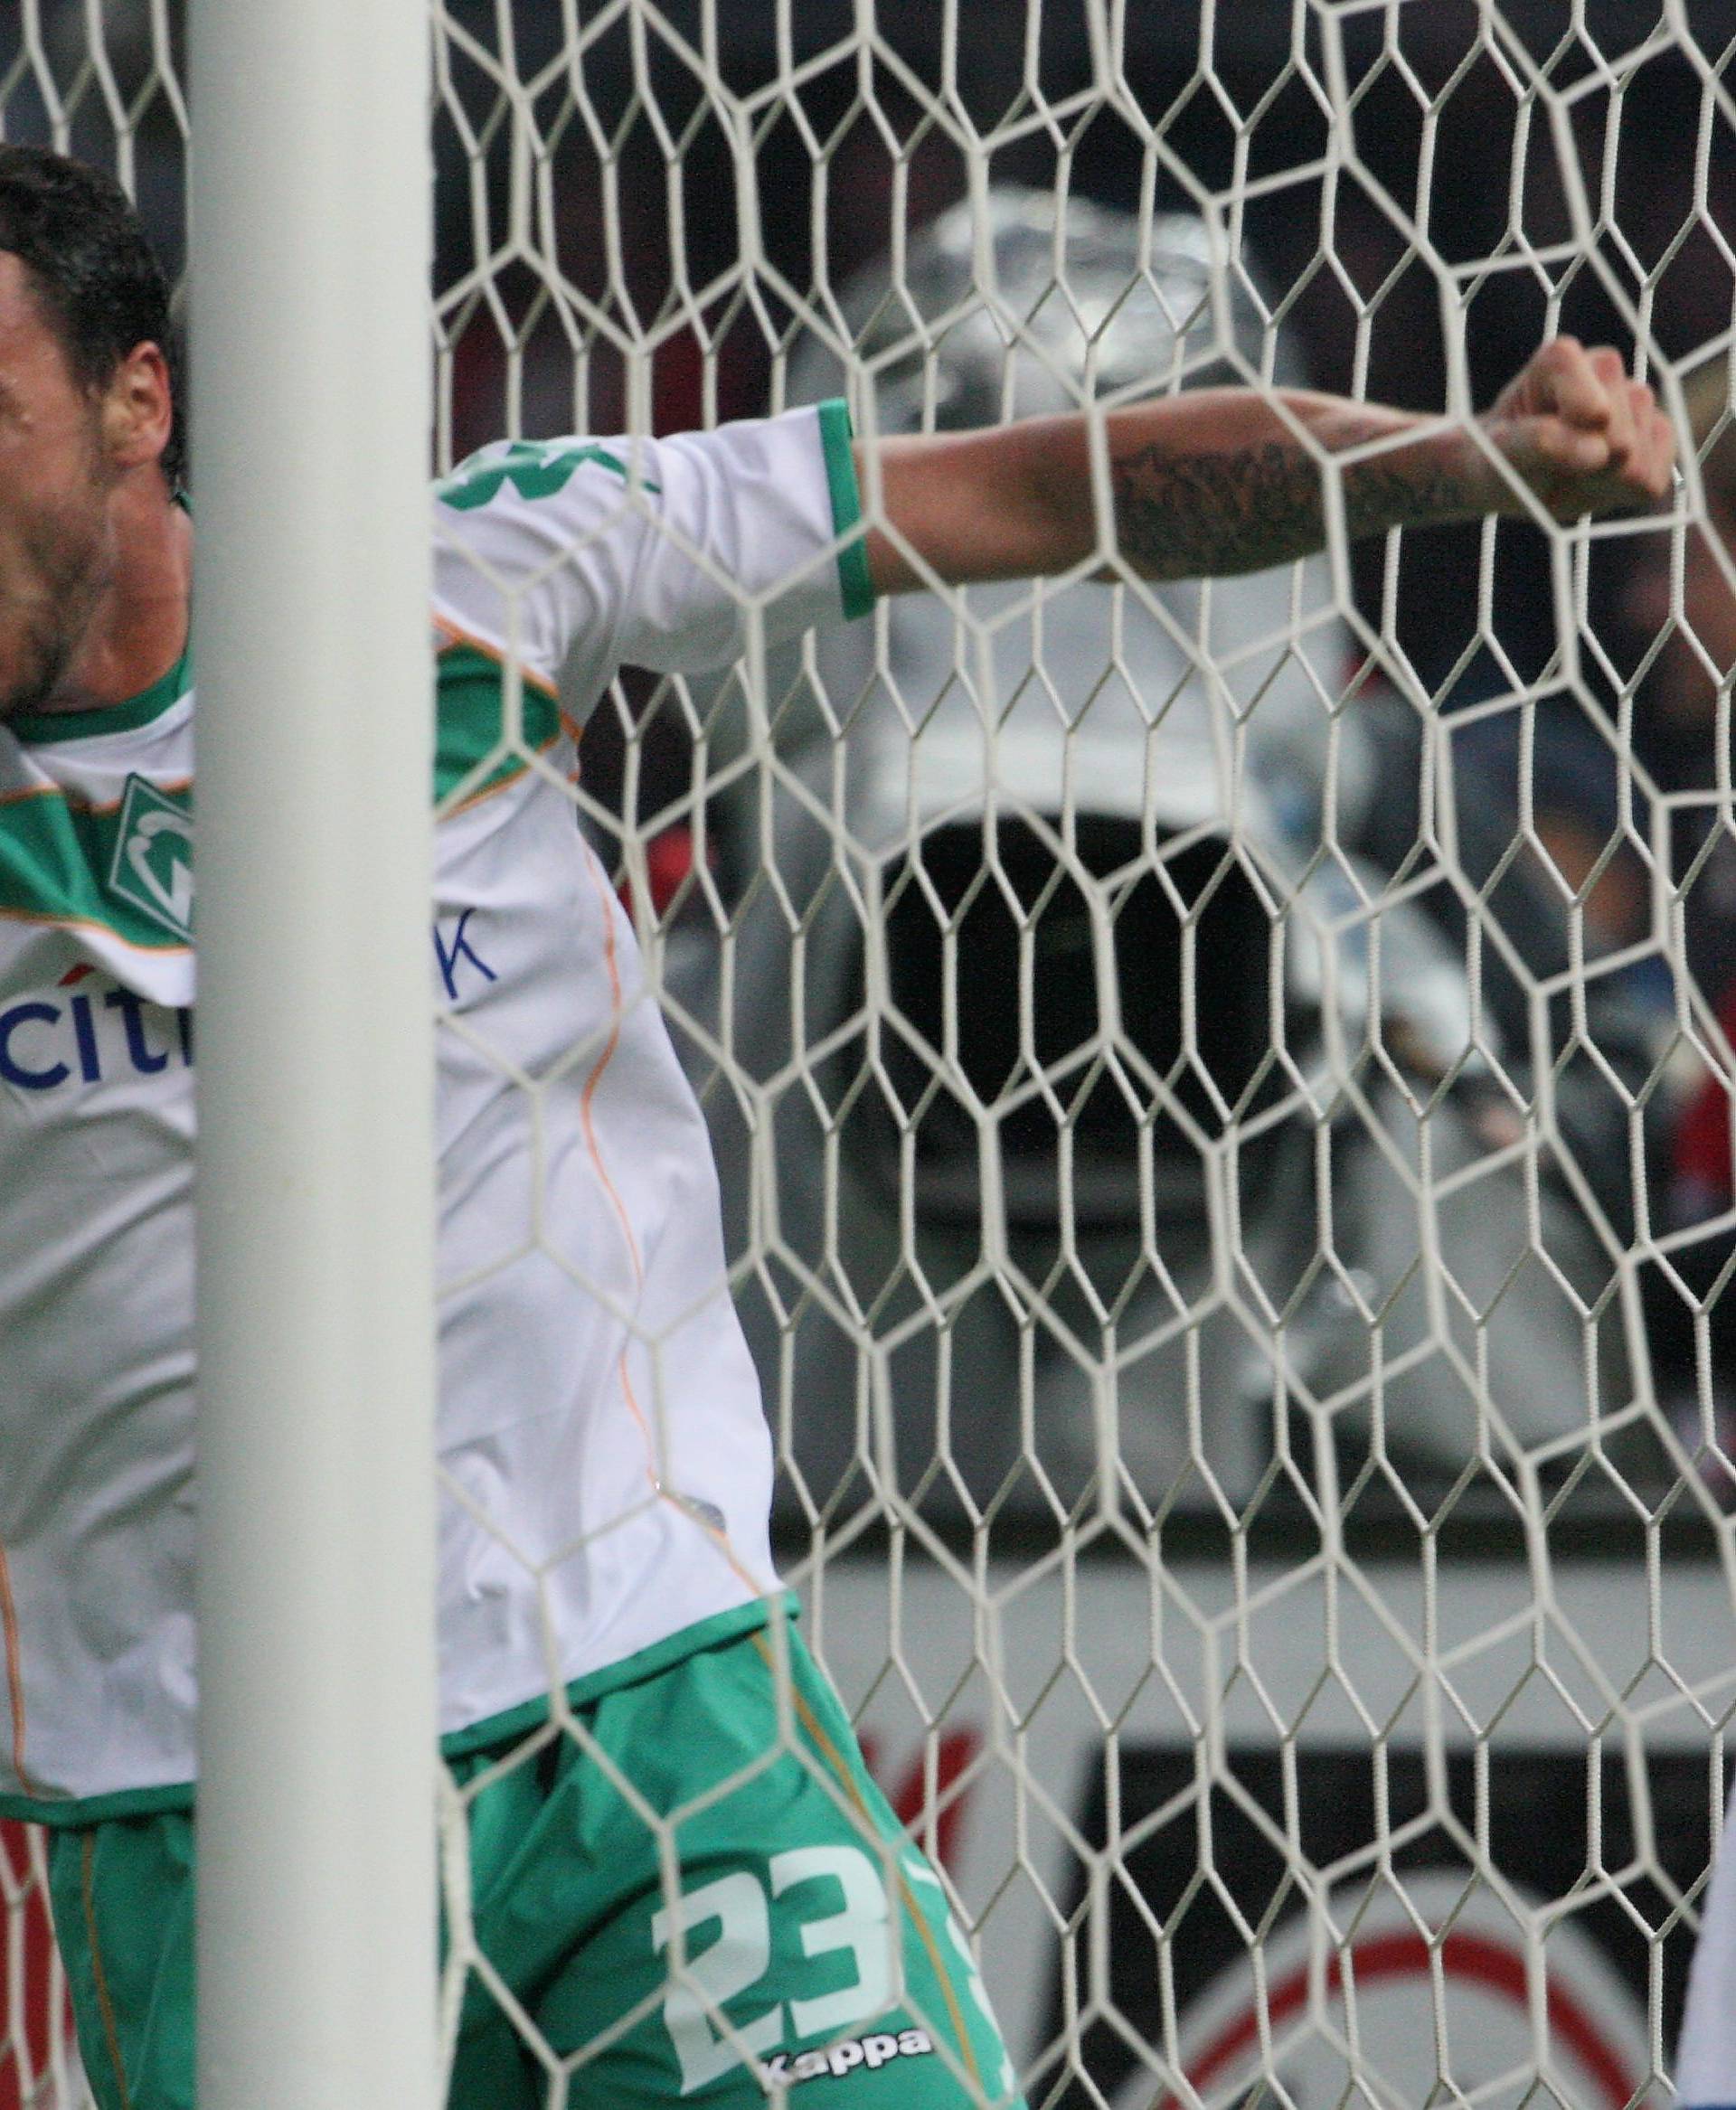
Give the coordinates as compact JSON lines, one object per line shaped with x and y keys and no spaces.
{"x":601,"y":1429}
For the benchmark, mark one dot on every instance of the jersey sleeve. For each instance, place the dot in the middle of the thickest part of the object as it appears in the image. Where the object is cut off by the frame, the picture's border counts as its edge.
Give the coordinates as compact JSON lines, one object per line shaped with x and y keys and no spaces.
{"x":576,"y":557}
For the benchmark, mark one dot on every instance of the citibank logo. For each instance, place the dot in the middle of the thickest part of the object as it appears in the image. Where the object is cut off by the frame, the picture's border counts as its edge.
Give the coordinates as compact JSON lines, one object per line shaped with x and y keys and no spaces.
{"x":89,"y":1036}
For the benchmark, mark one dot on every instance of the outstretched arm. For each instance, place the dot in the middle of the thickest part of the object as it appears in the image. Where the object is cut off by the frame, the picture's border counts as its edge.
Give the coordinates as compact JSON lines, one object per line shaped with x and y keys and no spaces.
{"x":1228,"y":480}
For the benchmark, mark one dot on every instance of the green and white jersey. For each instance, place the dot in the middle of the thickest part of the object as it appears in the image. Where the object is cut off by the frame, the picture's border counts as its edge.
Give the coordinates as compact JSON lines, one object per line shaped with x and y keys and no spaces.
{"x":606,"y":1462}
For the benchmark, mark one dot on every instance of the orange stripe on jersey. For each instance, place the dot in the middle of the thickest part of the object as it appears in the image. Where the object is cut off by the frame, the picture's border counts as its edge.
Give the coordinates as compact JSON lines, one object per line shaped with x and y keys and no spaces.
{"x":15,"y":1677}
{"x":815,"y":1732}
{"x":83,"y":806}
{"x":100,"y":1976}
{"x":605,"y":902}
{"x":455,"y":634}
{"x":488,"y":791}
{"x":49,"y":922}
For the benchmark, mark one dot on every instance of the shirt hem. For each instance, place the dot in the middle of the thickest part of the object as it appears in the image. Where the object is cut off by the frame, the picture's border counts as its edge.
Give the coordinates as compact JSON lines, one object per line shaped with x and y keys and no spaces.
{"x":78,"y":1811}
{"x":509,"y":1725}
{"x":855,"y":586}
{"x":518,"y":1721}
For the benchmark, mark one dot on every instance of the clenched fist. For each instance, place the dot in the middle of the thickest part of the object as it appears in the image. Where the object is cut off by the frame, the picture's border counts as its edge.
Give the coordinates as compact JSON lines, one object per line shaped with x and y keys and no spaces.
{"x":1582,"y":434}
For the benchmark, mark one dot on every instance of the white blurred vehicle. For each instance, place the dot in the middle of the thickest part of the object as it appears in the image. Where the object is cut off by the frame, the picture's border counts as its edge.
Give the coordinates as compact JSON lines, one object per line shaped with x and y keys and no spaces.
{"x":1061,"y":1137}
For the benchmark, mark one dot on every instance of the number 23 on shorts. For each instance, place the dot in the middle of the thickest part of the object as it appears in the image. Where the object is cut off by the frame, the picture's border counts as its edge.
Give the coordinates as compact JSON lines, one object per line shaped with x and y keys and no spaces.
{"x":740,"y":1958}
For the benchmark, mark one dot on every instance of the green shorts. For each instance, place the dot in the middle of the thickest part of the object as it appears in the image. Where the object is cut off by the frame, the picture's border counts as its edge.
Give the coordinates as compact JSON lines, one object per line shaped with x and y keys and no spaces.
{"x":803,"y":1943}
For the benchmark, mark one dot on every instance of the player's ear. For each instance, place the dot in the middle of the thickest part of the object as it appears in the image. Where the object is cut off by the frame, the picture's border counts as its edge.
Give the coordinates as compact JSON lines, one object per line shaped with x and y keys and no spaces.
{"x":139,"y":408}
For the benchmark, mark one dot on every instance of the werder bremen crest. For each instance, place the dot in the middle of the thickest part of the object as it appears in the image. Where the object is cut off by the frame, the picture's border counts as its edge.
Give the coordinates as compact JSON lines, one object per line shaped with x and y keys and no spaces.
{"x":153,"y":862}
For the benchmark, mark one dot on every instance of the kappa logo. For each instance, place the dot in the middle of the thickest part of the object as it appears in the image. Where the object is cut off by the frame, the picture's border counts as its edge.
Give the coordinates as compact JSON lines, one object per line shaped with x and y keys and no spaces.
{"x":869,"y":2053}
{"x":152,"y":867}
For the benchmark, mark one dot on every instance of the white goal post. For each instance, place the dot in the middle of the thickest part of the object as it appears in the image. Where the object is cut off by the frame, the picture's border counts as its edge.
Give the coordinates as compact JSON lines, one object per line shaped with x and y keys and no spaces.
{"x":309,"y":209}
{"x":1223,"y":1096}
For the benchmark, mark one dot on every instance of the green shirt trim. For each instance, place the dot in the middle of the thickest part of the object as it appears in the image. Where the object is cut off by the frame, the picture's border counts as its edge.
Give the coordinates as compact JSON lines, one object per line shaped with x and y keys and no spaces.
{"x":56,"y":862}
{"x":49,"y":728}
{"x":497,"y":1729}
{"x":854,"y":582}
{"x":470,"y":725}
{"x":60,"y":861}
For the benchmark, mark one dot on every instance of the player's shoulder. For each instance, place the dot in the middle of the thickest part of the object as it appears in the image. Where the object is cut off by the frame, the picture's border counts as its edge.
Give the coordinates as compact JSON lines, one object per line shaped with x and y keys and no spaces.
{"x":516,"y":477}
{"x":536,"y":543}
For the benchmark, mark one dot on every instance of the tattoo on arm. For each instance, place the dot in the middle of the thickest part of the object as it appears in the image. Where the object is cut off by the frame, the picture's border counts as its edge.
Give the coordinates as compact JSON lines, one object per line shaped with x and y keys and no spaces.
{"x":1194,"y":516}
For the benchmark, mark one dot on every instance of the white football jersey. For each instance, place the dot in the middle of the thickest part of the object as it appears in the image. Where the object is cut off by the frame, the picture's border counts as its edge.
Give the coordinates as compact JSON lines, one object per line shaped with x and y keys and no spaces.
{"x":606,"y":1465}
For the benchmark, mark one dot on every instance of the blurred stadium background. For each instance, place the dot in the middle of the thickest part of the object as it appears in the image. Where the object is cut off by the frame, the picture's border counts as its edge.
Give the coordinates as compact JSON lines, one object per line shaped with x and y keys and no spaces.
{"x":1549,"y":908}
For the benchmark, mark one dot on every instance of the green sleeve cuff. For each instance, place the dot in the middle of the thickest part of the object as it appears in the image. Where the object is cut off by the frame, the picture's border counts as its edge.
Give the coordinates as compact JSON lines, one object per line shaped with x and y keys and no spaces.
{"x":854,"y":582}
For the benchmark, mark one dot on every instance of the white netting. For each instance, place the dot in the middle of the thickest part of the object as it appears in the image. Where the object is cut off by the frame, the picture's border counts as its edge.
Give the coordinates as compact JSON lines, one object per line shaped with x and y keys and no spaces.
{"x":1223,"y":1115}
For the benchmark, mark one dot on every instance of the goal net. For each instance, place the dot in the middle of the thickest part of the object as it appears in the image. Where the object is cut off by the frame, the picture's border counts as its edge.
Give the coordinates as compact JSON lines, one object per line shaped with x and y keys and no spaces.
{"x":1223,"y":1094}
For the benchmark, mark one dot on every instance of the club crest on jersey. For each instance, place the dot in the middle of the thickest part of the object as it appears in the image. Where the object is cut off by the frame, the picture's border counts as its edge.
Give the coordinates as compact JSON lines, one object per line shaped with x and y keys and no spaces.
{"x":152,"y":867}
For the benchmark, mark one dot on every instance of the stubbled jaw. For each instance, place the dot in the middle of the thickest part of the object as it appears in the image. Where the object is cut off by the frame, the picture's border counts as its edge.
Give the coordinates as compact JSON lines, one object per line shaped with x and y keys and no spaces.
{"x":35,"y":652}
{"x":51,"y":582}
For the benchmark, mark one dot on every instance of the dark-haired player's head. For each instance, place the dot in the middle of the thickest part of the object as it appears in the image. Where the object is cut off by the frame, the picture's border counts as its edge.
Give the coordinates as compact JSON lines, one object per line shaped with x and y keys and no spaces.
{"x":86,"y":419}
{"x":91,"y":266}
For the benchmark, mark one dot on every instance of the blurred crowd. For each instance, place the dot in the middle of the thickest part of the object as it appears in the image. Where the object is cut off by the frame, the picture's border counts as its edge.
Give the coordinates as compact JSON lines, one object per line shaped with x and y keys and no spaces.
{"x":1568,"y":841}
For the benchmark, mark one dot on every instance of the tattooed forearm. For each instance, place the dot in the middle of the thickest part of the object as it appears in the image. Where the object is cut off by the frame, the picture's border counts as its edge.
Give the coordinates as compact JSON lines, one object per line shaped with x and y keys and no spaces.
{"x":1206,"y":482}
{"x":1182,"y":515}
{"x":1178,"y":515}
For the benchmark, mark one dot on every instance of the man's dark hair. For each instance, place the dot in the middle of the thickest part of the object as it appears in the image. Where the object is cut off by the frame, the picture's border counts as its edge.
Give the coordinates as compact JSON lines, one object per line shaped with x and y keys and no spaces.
{"x":97,"y":277}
